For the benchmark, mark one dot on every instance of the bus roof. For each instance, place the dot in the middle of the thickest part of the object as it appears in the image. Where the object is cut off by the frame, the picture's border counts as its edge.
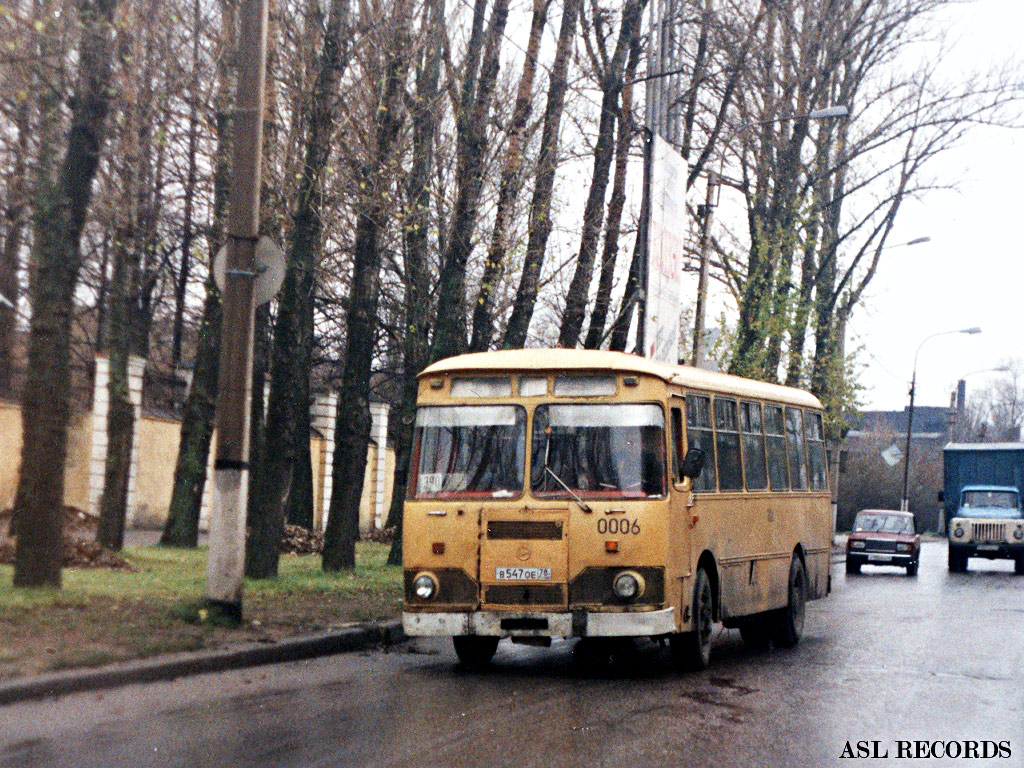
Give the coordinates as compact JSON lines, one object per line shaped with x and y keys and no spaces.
{"x":599,"y":360}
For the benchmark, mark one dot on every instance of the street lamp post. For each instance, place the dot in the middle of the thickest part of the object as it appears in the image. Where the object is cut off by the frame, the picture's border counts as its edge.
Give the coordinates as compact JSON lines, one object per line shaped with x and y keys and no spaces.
{"x":714,"y":182}
{"x":905,"y":502}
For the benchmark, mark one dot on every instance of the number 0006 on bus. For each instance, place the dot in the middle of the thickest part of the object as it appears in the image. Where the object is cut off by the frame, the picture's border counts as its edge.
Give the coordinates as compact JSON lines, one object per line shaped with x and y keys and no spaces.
{"x":570,"y":493}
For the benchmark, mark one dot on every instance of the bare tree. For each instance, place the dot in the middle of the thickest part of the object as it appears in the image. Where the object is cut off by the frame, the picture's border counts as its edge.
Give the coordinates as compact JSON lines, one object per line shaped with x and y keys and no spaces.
{"x":547,"y":164}
{"x":61,"y":217}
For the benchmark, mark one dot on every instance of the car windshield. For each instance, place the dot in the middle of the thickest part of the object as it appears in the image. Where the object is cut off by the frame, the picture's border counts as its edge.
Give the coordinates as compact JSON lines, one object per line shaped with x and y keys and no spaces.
{"x":468,"y":451}
{"x":989,"y":504}
{"x":598,"y":451}
{"x":883,"y":523}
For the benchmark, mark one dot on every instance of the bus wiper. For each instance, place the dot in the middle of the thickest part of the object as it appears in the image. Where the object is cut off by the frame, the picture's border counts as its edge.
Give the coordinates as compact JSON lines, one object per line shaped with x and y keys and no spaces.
{"x":547,"y":450}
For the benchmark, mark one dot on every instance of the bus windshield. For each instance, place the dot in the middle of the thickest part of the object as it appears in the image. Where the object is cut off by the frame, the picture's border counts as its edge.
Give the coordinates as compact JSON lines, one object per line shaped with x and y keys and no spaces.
{"x":472,"y":451}
{"x":598,"y":451}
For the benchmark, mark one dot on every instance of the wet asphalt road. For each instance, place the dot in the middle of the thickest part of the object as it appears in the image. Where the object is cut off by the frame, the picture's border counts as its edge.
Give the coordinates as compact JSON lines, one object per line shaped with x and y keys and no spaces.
{"x":885,"y":658}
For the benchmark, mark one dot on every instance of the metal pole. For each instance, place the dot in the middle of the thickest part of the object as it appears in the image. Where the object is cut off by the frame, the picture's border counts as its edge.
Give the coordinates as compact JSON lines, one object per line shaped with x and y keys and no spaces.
{"x":905,"y":503}
{"x":226,"y":558}
{"x":702,"y":283}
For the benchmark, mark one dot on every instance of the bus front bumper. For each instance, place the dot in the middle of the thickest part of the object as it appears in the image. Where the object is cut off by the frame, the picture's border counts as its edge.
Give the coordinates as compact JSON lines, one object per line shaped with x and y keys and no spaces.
{"x":540,"y":624}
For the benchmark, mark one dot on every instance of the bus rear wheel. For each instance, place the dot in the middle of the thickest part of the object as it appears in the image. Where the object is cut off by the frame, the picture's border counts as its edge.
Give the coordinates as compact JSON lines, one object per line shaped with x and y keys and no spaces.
{"x":692,"y":650}
{"x":475,"y":652}
{"x":789,"y":621}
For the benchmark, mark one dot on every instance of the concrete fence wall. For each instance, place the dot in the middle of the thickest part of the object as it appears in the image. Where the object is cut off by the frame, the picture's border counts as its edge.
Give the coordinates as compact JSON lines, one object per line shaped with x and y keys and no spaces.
{"x":156,"y":451}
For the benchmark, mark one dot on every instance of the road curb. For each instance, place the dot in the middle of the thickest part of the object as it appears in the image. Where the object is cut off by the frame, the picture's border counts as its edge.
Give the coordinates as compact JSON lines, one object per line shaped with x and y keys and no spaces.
{"x":197,"y":663}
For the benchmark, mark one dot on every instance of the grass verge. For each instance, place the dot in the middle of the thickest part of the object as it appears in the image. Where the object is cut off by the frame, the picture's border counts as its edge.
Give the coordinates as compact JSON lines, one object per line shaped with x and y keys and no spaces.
{"x":102,"y":616}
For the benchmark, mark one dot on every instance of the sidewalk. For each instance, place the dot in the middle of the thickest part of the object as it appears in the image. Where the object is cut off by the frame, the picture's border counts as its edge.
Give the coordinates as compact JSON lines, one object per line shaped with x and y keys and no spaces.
{"x":175,"y":665}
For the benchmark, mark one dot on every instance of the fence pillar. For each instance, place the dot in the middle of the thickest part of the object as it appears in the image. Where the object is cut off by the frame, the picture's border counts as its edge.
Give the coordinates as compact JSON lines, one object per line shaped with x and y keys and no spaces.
{"x":322,"y":416}
{"x":379,"y":432}
{"x":100,"y":411}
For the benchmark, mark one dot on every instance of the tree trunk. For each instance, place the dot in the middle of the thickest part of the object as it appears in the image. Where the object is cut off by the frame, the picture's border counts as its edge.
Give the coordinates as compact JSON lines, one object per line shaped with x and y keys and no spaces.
{"x":10,"y":255}
{"x":182,"y":527}
{"x":187,"y":235}
{"x":603,"y":300}
{"x":547,"y":165}
{"x":508,"y":191}
{"x":593,"y":211}
{"x":415,"y":339}
{"x":474,"y":115}
{"x":288,"y":407}
{"x":352,"y":430}
{"x":46,"y":404}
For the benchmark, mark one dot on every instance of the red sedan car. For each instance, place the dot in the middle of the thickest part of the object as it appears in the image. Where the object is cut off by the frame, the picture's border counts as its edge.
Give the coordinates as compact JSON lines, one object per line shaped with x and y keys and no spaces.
{"x":883,"y":537}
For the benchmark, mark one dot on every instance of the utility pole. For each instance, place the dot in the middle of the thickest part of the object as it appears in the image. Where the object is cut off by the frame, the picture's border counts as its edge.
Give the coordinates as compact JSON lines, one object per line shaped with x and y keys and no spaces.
{"x":708,"y":213}
{"x":226,"y":558}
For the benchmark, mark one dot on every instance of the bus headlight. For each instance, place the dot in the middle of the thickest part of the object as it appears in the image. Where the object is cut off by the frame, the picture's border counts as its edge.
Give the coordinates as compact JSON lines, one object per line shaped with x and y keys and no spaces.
{"x":902,"y":547}
{"x":628,"y":585}
{"x":958,"y":532}
{"x":1018,"y":534}
{"x":858,"y":545}
{"x":425,"y":586}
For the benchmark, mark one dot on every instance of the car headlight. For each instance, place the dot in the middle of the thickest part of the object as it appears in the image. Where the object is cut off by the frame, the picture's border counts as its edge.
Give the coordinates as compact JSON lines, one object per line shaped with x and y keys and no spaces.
{"x":902,"y":547}
{"x":858,"y":545}
{"x":1018,"y":534}
{"x":425,"y":586}
{"x":628,"y":585}
{"x":958,"y":532}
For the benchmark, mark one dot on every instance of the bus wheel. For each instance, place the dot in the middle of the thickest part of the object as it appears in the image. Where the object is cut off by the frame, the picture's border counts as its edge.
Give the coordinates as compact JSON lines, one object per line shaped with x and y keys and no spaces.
{"x":852,"y":566}
{"x":790,"y":620}
{"x":692,"y":650}
{"x":475,"y":652}
{"x":1018,"y":566}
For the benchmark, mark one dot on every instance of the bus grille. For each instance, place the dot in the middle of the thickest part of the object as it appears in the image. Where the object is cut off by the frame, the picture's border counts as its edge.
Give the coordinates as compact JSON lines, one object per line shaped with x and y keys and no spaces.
{"x":521,"y":594}
{"x":524,"y":529}
{"x":989,"y":531}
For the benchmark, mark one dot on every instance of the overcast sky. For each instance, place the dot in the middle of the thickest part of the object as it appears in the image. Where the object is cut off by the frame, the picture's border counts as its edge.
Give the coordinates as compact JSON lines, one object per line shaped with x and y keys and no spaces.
{"x":972,"y":271}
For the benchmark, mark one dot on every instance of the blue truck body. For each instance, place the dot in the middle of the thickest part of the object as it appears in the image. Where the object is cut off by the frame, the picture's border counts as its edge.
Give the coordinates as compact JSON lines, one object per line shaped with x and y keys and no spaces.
{"x":994,"y":464}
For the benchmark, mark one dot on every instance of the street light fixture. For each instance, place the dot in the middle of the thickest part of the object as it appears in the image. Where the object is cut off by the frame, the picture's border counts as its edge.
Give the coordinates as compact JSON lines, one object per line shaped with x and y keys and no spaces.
{"x":905,"y":502}
{"x":710,"y":202}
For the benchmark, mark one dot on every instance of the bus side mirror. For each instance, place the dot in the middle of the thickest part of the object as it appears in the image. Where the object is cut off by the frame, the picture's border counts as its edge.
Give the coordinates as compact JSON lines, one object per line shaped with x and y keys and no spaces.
{"x":693,"y":463}
{"x":942,"y":496}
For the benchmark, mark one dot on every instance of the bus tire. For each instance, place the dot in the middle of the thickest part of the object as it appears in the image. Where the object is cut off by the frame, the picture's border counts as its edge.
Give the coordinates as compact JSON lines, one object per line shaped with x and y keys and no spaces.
{"x":692,"y":650}
{"x":789,"y":621}
{"x":475,"y":652}
{"x":912,"y":568}
{"x":1018,"y":566}
{"x":852,"y":566}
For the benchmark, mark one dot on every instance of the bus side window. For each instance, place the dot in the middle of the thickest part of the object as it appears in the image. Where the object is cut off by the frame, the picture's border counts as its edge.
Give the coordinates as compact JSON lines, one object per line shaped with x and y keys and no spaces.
{"x":699,"y":435}
{"x":775,"y":431}
{"x":677,"y":444}
{"x":816,"y":451}
{"x":753,"y":446}
{"x":727,"y":446}
{"x":795,"y":442}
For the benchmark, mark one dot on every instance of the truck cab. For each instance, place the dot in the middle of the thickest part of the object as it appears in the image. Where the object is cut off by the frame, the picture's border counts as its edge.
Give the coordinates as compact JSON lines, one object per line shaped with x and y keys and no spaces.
{"x":988,"y":522}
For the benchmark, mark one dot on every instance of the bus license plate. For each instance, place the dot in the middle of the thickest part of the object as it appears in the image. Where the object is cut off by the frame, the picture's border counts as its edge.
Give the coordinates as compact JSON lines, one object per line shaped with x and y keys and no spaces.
{"x":988,"y":547}
{"x":879,"y":558}
{"x":522,"y":574}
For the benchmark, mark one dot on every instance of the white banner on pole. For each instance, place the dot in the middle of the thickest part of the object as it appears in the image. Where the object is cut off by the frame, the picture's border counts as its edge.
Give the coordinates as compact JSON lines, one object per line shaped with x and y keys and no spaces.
{"x":666,"y":238}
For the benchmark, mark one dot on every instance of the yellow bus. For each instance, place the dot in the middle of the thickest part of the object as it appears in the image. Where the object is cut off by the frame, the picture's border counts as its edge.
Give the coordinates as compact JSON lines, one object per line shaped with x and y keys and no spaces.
{"x":569,"y":493}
